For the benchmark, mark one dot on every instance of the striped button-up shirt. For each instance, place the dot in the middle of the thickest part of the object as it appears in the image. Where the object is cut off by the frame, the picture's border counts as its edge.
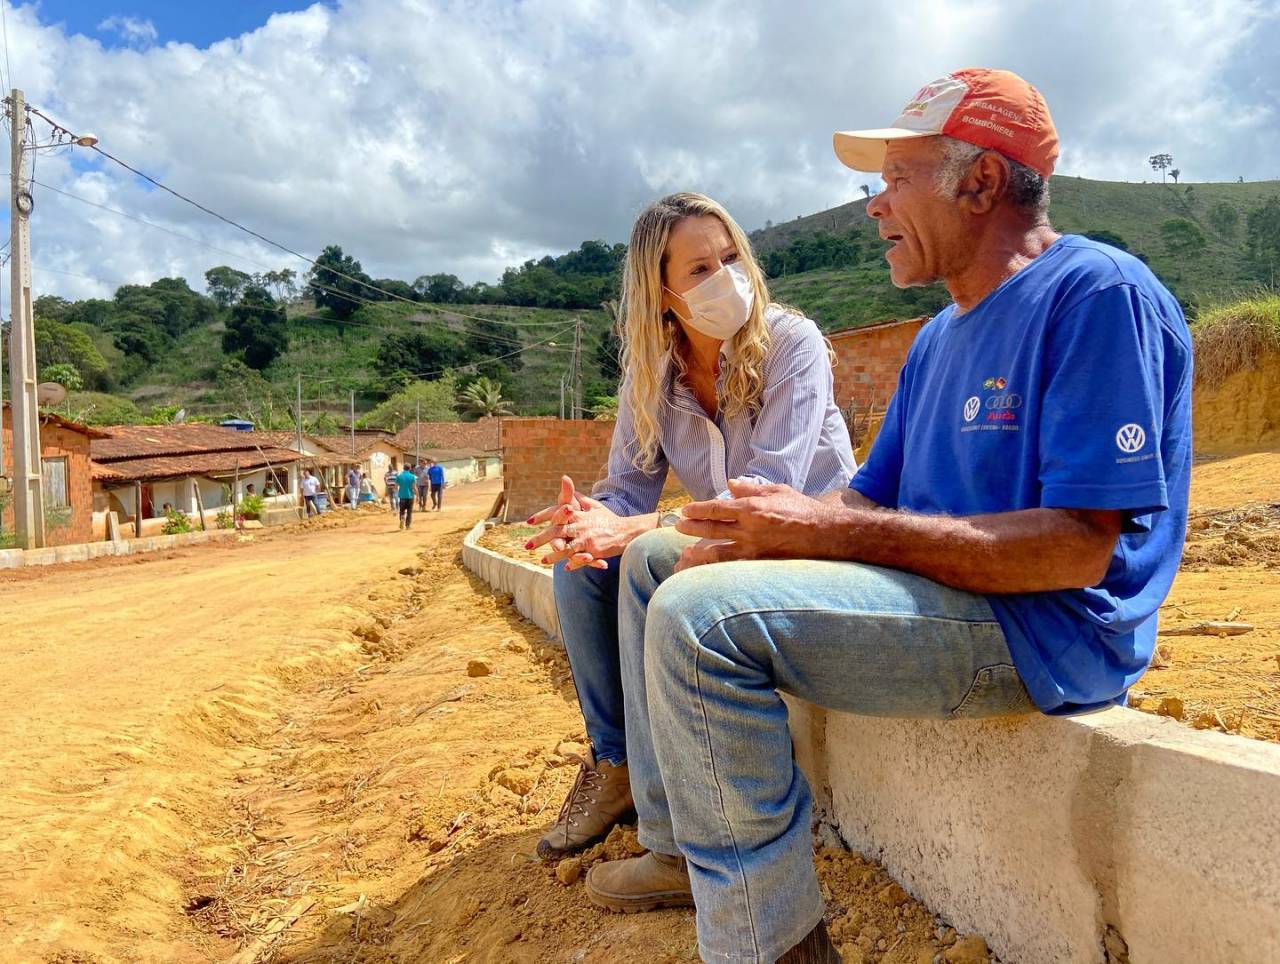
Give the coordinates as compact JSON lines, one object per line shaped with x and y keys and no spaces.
{"x":798,"y":436}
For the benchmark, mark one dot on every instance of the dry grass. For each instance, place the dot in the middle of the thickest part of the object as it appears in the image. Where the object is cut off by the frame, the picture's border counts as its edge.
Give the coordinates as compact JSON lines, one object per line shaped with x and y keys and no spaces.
{"x":1230,"y":337}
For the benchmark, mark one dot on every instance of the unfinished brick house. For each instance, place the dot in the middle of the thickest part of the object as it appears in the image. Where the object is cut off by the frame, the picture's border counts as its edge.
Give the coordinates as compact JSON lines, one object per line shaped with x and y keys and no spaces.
{"x":868,"y":361}
{"x":68,"y":482}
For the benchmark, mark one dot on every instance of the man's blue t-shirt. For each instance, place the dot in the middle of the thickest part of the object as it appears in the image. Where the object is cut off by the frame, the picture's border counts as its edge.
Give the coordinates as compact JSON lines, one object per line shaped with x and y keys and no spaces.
{"x":436,"y":474}
{"x":405,"y":481}
{"x":1069,"y":386}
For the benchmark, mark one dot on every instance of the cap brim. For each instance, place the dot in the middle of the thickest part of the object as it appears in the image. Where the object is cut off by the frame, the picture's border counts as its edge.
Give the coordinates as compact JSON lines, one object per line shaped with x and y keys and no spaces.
{"x":864,"y":150}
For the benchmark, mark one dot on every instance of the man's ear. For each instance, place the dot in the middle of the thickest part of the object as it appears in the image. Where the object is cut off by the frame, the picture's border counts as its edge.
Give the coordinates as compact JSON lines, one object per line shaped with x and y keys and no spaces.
{"x":985,"y":184}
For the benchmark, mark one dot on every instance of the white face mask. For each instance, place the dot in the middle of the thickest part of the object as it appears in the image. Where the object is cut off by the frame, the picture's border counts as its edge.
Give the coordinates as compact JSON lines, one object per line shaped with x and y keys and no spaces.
{"x":720,"y":305}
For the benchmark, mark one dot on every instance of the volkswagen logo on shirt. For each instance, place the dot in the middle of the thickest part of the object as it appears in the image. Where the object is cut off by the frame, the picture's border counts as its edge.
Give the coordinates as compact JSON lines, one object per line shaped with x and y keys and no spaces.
{"x":971,"y":408}
{"x":1131,"y":438}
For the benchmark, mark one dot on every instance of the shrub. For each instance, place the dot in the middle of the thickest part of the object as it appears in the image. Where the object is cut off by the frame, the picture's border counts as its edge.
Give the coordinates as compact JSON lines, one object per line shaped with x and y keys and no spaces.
{"x":251,"y":506}
{"x":224,"y":519}
{"x":176,"y":522}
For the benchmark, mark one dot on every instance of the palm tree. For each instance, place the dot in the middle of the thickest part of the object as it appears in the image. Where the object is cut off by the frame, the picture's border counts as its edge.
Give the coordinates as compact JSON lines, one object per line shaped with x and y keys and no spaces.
{"x":483,"y":397}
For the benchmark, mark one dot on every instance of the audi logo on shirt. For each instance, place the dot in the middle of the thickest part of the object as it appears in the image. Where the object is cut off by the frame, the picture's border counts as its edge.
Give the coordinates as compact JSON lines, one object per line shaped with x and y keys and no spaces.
{"x":999,"y":402}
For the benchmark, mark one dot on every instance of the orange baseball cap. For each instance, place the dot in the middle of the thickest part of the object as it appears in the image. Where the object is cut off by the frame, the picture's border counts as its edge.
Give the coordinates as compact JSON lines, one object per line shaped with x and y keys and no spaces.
{"x":995,"y":109}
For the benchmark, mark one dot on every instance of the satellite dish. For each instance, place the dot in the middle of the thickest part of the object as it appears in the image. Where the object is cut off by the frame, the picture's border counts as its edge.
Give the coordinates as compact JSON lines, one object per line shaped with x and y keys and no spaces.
{"x":179,"y":415}
{"x":50,"y":393}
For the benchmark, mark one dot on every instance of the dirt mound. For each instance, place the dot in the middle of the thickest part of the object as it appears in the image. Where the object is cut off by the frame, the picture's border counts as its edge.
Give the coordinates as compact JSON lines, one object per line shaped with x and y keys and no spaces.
{"x":1241,"y":413}
{"x":1242,"y":536}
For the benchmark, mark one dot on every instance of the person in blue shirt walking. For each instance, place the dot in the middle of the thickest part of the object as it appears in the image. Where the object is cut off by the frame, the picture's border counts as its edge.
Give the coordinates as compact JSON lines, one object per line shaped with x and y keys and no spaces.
{"x":718,"y":382}
{"x":435,"y":473}
{"x":1004,"y":549}
{"x":405,"y":483}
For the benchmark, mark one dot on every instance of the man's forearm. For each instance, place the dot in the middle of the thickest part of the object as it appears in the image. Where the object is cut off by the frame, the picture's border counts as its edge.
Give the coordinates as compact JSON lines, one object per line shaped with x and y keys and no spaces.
{"x":1034,"y":550}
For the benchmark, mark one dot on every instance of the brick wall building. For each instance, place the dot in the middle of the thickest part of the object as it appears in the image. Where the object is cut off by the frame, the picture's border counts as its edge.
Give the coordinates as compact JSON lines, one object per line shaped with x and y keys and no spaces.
{"x":869,"y":360}
{"x":537,"y":451}
{"x":68,"y":482}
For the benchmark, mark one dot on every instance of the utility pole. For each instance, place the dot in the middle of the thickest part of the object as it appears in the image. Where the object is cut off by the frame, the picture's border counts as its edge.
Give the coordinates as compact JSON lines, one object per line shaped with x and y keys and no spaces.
{"x":28,"y":490}
{"x":352,"y":426}
{"x":577,"y":368}
{"x":562,"y":398}
{"x":299,"y":413}
{"x":417,"y":429}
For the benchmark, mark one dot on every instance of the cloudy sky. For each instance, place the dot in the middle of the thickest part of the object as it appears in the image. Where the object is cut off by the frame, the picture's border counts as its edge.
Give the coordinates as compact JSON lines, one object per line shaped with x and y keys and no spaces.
{"x":429,"y":135}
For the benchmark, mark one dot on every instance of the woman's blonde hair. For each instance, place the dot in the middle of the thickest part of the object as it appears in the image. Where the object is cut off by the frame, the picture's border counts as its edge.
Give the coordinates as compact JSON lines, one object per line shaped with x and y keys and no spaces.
{"x":649,"y":336}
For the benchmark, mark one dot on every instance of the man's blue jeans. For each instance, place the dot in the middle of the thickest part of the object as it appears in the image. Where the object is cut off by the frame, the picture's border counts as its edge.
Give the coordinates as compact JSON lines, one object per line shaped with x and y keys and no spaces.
{"x":703,"y":656}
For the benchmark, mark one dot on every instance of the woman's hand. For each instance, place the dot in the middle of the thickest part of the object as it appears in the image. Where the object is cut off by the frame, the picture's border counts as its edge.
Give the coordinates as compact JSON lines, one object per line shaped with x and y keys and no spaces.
{"x":581,"y":530}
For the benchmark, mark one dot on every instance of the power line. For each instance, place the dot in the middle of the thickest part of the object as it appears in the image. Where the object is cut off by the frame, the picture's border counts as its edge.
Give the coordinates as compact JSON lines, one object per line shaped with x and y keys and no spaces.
{"x":276,"y":244}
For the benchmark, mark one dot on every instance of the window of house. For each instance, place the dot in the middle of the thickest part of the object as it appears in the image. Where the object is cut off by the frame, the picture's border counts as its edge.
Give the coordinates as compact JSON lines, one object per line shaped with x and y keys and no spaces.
{"x":281,"y":479}
{"x":55,"y":483}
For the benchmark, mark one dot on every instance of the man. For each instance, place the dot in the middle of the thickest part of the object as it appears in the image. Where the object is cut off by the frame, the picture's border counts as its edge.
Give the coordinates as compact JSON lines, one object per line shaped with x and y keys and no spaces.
{"x":405,"y":483}
{"x":310,"y":487}
{"x":353,"y":487}
{"x":390,"y":486}
{"x":1005,"y":547}
{"x":435,"y":473}
{"x":424,"y":483}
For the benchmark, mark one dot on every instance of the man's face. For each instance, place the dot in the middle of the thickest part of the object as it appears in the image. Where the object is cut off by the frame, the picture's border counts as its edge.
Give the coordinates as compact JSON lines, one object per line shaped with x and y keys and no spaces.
{"x":926,"y":229}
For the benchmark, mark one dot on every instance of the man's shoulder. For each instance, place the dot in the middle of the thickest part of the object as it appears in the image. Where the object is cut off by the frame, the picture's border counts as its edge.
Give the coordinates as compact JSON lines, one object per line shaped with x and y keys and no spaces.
{"x":1087,"y":266}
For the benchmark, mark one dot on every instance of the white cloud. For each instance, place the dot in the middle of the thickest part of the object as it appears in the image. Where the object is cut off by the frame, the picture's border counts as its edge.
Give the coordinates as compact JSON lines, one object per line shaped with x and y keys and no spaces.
{"x":466,"y":135}
{"x":135,"y":32}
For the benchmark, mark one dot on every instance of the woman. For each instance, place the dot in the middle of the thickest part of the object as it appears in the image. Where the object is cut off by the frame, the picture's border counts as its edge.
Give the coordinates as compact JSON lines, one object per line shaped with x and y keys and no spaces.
{"x":718,"y":383}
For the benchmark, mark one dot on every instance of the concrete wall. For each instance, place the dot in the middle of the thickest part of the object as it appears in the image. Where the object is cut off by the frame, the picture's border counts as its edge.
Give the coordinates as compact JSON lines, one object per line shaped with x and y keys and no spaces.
{"x":1049,"y":836}
{"x":528,"y":585}
{"x":84,"y":551}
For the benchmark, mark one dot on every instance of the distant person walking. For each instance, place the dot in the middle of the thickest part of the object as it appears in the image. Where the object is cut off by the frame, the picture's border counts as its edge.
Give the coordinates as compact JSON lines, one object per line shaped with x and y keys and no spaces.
{"x":435,"y":472}
{"x":389,"y":484}
{"x":424,"y":484}
{"x":406,"y":482}
{"x":353,"y":487}
{"x":310,"y":487}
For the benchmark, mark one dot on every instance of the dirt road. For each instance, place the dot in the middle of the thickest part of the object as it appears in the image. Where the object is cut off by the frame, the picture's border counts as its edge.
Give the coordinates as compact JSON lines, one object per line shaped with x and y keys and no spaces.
{"x":289,"y":749}
{"x":124,"y":687}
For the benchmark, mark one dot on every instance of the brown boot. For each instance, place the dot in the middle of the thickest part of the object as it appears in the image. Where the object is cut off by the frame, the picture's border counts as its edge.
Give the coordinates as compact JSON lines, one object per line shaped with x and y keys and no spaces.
{"x":639,"y":884}
{"x":600,"y":797}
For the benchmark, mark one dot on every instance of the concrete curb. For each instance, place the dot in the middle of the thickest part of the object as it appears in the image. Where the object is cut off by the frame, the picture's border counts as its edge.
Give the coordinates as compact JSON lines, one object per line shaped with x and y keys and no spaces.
{"x":529,"y":585}
{"x":1059,"y":839}
{"x":84,"y":551}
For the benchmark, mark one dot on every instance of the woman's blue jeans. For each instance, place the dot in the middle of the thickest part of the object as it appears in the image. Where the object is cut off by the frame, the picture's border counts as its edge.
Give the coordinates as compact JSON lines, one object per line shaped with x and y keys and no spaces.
{"x":587,"y":603}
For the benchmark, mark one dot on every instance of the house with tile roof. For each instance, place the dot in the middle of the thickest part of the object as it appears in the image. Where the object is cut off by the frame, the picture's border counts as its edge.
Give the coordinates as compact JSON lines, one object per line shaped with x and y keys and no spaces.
{"x":138,"y":470}
{"x":65,"y":471}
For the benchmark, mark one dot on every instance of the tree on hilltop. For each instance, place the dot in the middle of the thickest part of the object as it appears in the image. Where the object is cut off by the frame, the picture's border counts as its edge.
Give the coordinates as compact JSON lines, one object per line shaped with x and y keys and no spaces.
{"x":257,"y":329}
{"x":224,"y":284}
{"x":337,"y":282}
{"x":1161,"y":163}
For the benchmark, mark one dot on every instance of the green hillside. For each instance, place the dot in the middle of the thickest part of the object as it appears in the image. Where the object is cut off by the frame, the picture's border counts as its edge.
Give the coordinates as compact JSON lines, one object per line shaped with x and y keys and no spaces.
{"x":335,"y":357}
{"x":1217,"y":266}
{"x":235,"y":349}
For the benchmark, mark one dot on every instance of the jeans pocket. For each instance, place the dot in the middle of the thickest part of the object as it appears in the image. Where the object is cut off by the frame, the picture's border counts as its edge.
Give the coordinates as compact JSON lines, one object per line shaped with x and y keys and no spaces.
{"x":997,"y":690}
